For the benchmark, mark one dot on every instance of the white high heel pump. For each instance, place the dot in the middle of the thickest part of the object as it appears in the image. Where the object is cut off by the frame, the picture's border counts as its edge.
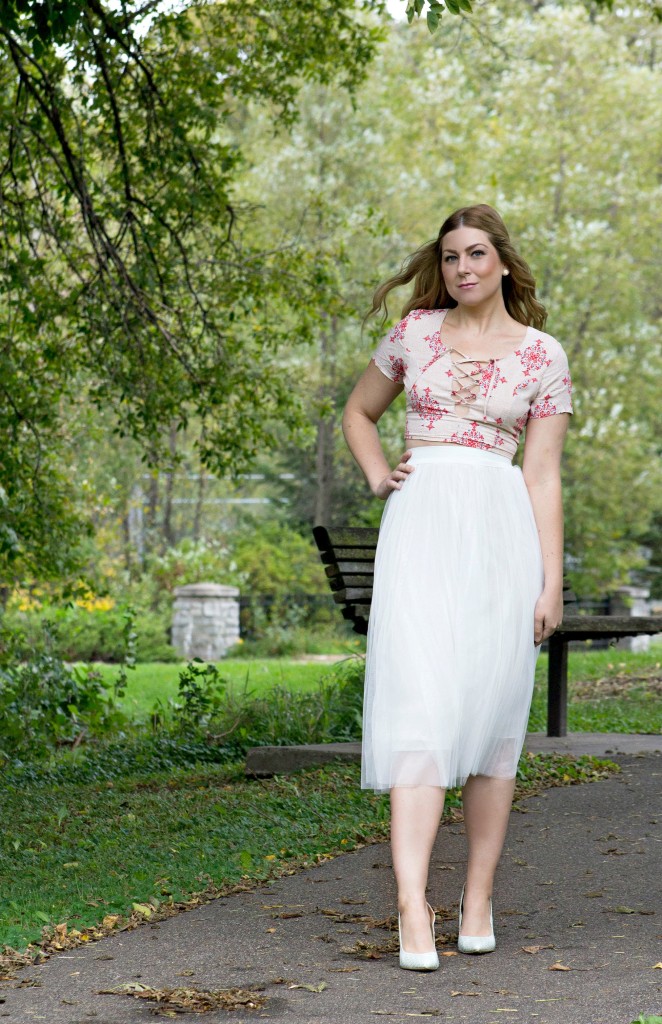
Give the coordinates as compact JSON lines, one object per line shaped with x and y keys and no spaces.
{"x":419,"y":961}
{"x":475,"y":943}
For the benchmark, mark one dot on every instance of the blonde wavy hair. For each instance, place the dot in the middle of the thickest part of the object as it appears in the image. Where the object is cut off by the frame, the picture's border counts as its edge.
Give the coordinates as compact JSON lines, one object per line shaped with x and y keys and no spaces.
{"x":424,"y":268}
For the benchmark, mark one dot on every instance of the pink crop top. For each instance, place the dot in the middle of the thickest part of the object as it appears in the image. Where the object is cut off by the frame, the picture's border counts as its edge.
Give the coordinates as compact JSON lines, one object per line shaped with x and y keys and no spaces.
{"x":482,"y":404}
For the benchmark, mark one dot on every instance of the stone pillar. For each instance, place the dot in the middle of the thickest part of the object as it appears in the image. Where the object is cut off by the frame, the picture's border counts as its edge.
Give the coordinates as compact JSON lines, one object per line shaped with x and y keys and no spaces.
{"x":205,"y":620}
{"x":631,"y":601}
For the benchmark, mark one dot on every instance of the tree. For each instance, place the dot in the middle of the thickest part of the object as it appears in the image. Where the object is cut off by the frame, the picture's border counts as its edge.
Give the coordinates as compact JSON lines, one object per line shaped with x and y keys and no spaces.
{"x":126,"y":278}
{"x":512,"y":113}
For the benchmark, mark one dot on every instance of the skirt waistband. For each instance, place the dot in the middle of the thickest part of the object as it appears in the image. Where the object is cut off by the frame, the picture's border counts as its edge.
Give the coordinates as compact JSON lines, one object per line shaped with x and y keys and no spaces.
{"x":458,"y":453}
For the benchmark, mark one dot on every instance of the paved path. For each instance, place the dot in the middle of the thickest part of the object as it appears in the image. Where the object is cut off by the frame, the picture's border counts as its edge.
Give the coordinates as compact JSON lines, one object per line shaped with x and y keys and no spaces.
{"x":580,"y":879}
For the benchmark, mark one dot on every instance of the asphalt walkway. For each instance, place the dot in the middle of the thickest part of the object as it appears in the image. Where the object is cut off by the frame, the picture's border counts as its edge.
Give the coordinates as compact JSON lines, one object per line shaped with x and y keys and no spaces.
{"x":578,"y":919}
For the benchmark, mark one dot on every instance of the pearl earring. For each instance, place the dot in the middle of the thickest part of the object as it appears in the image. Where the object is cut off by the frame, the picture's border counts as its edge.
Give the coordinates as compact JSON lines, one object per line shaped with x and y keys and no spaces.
{"x":506,"y":272}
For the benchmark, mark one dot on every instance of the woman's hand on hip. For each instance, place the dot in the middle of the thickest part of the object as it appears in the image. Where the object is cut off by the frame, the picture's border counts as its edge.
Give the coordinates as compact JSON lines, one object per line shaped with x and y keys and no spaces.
{"x":395,"y":479}
{"x":548,"y":615}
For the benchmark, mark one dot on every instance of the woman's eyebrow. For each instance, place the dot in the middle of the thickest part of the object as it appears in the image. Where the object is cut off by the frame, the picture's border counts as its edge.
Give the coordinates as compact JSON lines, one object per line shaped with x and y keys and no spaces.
{"x":467,"y":249}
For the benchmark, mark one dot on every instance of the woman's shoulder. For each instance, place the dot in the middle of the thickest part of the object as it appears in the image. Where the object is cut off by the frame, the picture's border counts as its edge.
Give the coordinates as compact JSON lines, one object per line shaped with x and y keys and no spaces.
{"x":421,"y":319}
{"x":553,"y":347}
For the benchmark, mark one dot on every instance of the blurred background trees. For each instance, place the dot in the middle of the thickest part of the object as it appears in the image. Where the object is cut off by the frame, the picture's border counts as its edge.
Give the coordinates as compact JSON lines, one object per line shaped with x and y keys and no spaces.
{"x":197,"y":203}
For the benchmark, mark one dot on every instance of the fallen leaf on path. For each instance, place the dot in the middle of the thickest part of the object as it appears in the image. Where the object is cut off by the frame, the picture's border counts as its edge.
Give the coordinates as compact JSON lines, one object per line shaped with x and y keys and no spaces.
{"x":344,"y":970}
{"x":559,"y":967}
{"x":143,"y":909}
{"x":310,"y":988}
{"x":534,"y":949}
{"x":449,"y":952}
{"x":628,"y":910}
{"x":366,"y":919}
{"x":347,"y":900}
{"x":371,"y":950}
{"x":287,"y":914}
{"x":190,"y":999}
{"x":465,"y":993}
{"x":657,"y":966}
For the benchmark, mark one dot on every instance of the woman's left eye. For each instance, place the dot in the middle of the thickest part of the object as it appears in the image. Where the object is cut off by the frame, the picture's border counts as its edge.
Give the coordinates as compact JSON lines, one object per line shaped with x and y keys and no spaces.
{"x":478,"y":252}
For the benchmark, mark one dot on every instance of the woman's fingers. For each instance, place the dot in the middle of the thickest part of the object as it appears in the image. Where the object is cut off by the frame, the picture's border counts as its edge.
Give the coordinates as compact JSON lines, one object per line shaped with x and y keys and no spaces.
{"x":401,"y":471}
{"x":542,"y":630}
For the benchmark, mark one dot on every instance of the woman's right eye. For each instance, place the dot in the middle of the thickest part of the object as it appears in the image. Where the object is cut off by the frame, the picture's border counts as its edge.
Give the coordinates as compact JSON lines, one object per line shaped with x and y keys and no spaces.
{"x":448,"y":259}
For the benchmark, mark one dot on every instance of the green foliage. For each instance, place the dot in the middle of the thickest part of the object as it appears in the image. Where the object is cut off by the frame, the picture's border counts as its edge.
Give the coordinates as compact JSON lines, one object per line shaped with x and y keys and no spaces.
{"x":82,"y":635}
{"x":45,"y":703}
{"x":282,"y":717}
{"x":166,"y":835}
{"x":201,"y":694}
{"x":513,"y":85}
{"x":433,"y":9}
{"x":124,"y":261}
{"x":136,"y":755}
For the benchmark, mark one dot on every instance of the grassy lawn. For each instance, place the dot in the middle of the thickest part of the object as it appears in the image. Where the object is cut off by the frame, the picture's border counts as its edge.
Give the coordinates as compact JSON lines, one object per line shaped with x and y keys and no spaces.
{"x":87,"y":844}
{"x":82,"y":852}
{"x":151,"y":682}
{"x":610,"y":691}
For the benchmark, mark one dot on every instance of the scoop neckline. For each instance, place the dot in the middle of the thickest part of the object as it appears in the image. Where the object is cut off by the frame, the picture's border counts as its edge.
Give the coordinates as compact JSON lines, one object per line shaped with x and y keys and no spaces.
{"x":491,"y":359}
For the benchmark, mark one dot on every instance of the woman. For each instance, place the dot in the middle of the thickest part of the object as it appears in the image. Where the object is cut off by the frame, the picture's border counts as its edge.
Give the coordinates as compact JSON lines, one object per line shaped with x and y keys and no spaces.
{"x":469,"y":565}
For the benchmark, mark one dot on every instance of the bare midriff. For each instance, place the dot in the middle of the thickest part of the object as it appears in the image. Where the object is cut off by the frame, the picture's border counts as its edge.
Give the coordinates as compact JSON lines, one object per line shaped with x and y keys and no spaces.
{"x":414,"y":442}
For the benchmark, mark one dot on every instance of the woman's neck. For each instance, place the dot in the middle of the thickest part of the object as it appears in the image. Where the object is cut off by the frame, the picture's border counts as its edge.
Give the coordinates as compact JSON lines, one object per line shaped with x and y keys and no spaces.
{"x":484,"y":319}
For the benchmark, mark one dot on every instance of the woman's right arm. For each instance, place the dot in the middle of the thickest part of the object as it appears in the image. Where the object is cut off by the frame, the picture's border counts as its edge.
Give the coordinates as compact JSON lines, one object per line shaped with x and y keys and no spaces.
{"x":369,"y":400}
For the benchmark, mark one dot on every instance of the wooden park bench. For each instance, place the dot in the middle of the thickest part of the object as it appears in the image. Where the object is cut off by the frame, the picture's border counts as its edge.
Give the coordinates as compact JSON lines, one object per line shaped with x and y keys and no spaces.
{"x":348,"y":554}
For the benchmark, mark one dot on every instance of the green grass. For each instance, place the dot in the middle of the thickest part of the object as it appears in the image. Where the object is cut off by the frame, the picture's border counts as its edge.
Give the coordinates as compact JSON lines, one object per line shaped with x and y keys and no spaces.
{"x":148,"y":683}
{"x":82,"y":845}
{"x":75,"y":853}
{"x":626,"y":695}
{"x":609,"y":691}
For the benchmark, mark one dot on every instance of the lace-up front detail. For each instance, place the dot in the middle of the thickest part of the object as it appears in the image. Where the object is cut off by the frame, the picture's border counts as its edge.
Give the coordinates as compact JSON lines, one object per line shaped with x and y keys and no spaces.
{"x":468,"y":376}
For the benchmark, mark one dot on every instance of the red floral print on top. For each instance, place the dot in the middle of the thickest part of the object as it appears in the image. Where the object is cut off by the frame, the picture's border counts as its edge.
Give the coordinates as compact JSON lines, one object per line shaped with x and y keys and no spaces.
{"x":532,"y":381}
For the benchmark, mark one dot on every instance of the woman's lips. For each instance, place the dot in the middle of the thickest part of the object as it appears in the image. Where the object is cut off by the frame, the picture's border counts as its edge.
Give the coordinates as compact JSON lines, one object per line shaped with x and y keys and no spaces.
{"x":471,"y":284}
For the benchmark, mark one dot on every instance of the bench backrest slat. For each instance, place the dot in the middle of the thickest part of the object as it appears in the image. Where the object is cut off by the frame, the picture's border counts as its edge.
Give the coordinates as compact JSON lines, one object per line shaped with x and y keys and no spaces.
{"x":348,"y":554}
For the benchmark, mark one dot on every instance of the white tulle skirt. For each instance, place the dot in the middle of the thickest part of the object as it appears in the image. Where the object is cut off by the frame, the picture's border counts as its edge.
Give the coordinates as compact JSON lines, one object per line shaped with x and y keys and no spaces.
{"x":450,"y":658}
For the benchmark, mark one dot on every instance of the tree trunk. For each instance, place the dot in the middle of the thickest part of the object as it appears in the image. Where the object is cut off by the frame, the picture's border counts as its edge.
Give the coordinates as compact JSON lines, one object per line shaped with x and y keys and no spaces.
{"x":169,"y":539}
{"x":326,"y":426}
{"x":199,"y":502}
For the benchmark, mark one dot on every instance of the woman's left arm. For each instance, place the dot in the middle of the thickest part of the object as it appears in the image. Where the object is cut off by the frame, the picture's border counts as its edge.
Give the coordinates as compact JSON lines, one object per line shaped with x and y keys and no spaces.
{"x":541,"y":468}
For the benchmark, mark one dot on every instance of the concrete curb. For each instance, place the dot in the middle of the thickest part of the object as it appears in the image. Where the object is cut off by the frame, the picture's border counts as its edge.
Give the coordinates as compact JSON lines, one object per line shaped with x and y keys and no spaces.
{"x":262,"y":762}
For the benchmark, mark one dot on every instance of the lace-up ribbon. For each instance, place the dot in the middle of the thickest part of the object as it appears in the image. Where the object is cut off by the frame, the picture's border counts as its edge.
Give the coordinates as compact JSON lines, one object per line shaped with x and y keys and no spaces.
{"x":468,"y":374}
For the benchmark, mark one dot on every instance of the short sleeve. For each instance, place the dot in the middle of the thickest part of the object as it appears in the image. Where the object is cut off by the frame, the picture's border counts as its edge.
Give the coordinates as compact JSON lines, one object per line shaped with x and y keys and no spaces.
{"x":389,"y":356}
{"x":555,"y":392}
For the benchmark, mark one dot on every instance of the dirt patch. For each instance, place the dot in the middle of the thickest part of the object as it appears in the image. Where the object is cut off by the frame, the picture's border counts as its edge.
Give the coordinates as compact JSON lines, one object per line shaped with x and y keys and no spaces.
{"x":624,"y":684}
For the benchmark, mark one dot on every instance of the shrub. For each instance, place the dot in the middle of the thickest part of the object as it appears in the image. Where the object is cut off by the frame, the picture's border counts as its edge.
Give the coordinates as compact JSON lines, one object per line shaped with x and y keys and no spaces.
{"x":239,"y":720}
{"x":88,"y":636}
{"x":45,"y":703}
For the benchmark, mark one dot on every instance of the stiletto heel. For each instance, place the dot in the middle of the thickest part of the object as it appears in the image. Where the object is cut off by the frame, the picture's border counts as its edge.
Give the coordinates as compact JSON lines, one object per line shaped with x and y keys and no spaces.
{"x":475,"y":943}
{"x":419,"y":961}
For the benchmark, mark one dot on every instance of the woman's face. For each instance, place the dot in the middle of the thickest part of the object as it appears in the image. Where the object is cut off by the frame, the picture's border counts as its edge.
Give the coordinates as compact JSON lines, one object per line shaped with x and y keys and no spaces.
{"x":470,"y":266}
